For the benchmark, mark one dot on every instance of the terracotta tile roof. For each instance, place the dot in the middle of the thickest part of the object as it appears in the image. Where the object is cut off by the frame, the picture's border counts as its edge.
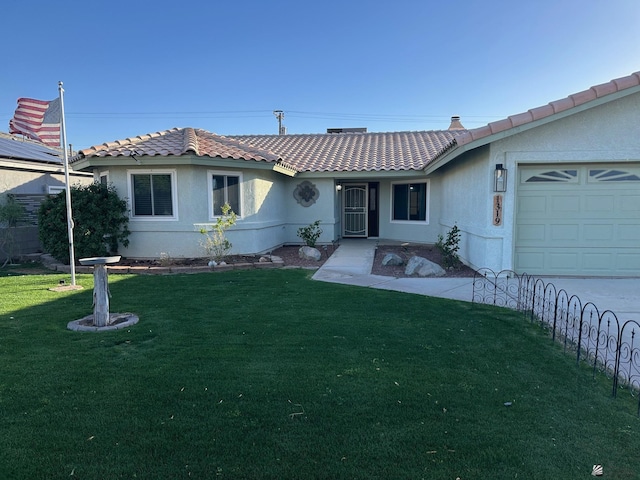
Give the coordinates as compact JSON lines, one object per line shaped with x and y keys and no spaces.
{"x":551,"y":108}
{"x":342,"y":152}
{"x":179,"y":141}
{"x":311,"y":153}
{"x":355,"y":152}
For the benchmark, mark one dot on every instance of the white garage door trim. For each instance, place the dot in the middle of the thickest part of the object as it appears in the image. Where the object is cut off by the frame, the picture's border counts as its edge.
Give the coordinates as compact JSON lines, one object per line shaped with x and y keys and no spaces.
{"x":579,"y":220}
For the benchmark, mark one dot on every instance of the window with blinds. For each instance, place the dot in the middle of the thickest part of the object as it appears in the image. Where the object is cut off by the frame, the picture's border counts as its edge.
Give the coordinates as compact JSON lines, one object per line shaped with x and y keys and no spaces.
{"x":152,"y":194}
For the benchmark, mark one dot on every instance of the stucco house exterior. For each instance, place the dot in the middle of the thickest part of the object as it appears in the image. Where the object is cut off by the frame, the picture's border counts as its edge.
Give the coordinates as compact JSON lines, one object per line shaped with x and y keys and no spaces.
{"x":551,"y":191}
{"x":29,"y":171}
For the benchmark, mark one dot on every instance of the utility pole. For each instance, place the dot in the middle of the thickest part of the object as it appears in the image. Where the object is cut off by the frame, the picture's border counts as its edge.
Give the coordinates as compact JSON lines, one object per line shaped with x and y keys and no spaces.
{"x":282,"y":130}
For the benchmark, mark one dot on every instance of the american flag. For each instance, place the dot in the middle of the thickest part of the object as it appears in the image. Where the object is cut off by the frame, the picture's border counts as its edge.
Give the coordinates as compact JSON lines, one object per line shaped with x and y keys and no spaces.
{"x":38,"y":120}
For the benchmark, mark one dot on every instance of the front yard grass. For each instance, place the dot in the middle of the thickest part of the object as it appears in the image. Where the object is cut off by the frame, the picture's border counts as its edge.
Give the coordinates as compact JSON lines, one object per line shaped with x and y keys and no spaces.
{"x":267,"y":374}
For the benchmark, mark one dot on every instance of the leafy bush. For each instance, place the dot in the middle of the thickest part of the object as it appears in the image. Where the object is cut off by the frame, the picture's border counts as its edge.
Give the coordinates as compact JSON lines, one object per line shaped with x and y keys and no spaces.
{"x":310,"y":233}
{"x":100,"y":221}
{"x":216,"y":245}
{"x":449,"y":248}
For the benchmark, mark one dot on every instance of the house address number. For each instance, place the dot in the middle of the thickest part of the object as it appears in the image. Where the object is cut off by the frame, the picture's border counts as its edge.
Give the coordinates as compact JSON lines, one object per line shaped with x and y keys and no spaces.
{"x":497,"y":210}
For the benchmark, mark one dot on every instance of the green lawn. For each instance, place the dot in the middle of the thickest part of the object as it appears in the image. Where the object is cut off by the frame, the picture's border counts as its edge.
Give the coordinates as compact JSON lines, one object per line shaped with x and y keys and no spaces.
{"x":267,"y":374}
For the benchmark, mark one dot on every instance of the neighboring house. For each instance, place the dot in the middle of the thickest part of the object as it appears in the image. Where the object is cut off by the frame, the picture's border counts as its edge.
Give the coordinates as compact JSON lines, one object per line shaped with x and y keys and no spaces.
{"x":29,"y":171}
{"x":552,"y":191}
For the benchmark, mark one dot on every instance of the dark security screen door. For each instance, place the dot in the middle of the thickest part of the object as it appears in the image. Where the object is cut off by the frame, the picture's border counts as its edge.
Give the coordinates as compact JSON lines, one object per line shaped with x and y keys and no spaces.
{"x":355,"y":210}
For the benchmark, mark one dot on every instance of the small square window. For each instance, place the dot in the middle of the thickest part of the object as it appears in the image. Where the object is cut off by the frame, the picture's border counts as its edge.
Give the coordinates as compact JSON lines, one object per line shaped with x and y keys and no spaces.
{"x":409,"y":202}
{"x":225,"y":188}
{"x":152,"y":194}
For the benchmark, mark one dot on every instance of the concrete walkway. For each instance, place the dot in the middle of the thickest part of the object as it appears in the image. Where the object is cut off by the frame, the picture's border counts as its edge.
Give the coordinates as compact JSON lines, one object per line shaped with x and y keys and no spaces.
{"x":351,"y":264}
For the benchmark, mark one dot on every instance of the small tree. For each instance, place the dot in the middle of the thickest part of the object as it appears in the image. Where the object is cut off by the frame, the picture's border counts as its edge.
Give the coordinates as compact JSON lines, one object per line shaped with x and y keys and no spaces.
{"x":310,"y":233}
{"x":449,"y":248}
{"x":100,"y":220}
{"x":11,"y":212}
{"x":216,"y":244}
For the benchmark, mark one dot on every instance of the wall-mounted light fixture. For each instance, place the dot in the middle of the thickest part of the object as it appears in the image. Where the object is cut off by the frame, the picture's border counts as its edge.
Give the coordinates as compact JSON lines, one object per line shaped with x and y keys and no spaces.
{"x":500,"y":178}
{"x":338,"y":187}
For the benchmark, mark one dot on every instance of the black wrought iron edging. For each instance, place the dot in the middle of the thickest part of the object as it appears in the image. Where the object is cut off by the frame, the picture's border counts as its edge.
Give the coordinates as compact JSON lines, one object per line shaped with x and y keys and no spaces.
{"x":596,"y":337}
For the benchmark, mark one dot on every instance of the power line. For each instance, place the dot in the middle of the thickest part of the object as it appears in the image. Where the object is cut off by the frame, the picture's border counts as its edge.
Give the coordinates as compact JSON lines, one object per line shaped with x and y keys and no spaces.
{"x":302,"y":114}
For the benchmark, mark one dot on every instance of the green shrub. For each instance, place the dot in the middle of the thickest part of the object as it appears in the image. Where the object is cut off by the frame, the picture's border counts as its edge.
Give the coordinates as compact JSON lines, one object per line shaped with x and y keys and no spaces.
{"x":100,"y":219}
{"x":310,"y":233}
{"x":216,"y":245}
{"x":449,"y":248}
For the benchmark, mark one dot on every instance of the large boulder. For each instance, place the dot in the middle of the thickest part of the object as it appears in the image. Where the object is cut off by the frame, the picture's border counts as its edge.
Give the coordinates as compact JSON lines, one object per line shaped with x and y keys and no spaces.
{"x":423,"y":268}
{"x":392,"y":259}
{"x":309,"y":253}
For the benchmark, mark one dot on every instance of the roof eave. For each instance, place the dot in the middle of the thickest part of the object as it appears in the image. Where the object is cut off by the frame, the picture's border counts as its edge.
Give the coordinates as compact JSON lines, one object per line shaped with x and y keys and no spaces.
{"x":167,"y":161}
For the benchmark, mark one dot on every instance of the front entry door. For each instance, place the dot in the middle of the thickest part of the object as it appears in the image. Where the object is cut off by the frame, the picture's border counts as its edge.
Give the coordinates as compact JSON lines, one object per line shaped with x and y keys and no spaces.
{"x":355,"y":210}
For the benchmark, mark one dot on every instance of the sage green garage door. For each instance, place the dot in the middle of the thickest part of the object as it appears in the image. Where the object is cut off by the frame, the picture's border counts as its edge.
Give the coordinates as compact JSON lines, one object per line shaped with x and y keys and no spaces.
{"x":578,"y":220}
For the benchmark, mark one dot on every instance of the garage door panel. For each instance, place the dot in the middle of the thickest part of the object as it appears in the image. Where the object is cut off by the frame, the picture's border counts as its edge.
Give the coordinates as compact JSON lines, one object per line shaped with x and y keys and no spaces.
{"x":629,"y":233}
{"x":599,"y":203}
{"x":630,"y":204}
{"x":582,"y":224}
{"x":564,"y":233}
{"x":598,"y":233}
{"x":597,"y":261}
{"x":532,"y":205}
{"x":628,"y":262}
{"x":530,"y":233}
{"x":563,"y":261}
{"x":530,"y":260}
{"x":561,"y":204}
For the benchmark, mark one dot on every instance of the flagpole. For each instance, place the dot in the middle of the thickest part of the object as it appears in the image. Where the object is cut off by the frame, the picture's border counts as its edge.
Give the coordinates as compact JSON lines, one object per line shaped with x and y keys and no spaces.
{"x":63,"y":142}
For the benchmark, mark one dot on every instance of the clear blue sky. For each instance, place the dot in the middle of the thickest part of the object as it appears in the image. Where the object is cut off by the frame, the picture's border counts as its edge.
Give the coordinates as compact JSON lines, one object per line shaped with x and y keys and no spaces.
{"x":135,"y":67}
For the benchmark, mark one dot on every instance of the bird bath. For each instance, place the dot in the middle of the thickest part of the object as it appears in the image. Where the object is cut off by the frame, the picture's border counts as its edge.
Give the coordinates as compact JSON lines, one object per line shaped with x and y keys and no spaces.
{"x":101,"y":318}
{"x":101,"y":292}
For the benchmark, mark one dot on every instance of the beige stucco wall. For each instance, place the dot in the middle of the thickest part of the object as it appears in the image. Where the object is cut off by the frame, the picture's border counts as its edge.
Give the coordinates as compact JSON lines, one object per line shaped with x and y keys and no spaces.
{"x":22,"y":180}
{"x":323,"y":209}
{"x":270,"y":214}
{"x":407,"y":231}
{"x":607,"y":133}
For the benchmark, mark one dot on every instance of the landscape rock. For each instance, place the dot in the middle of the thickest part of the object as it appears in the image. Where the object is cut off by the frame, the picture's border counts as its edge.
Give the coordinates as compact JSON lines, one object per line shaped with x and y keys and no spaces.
{"x":309,"y":253}
{"x":423,"y":268}
{"x":392,"y":259}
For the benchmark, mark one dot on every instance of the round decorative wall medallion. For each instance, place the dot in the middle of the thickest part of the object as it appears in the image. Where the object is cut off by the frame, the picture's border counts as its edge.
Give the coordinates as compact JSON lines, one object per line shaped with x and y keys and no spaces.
{"x":306,"y":193}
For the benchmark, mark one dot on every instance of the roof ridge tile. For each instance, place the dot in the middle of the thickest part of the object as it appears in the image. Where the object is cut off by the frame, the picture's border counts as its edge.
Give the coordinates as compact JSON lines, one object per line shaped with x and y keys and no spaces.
{"x":190,"y":138}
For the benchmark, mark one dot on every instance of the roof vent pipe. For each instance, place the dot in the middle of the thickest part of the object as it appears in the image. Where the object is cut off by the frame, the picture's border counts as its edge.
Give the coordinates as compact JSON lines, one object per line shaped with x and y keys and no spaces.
{"x":455,"y":123}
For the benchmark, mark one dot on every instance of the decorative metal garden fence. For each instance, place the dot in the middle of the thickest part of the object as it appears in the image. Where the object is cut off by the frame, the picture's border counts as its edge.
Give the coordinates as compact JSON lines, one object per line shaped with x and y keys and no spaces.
{"x":605,"y":343}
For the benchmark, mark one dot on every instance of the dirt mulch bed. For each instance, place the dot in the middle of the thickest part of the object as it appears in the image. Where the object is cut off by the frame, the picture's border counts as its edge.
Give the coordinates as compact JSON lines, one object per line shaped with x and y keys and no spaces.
{"x":290,"y":257}
{"x":288,"y":254}
{"x":406,"y":251}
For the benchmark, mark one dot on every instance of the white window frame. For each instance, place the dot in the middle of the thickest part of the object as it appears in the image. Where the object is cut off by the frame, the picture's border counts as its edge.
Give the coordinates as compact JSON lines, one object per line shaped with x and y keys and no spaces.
{"x":427,"y":201}
{"x":226,"y":173}
{"x":174,"y":195}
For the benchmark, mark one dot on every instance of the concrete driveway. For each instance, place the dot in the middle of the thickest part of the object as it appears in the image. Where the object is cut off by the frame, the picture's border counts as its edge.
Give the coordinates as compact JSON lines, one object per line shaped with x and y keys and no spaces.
{"x":351,"y":264}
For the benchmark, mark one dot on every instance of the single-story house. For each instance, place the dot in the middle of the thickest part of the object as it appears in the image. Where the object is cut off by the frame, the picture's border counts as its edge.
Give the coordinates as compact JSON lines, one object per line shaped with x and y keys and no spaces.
{"x":551,"y":191}
{"x":29,"y":171}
